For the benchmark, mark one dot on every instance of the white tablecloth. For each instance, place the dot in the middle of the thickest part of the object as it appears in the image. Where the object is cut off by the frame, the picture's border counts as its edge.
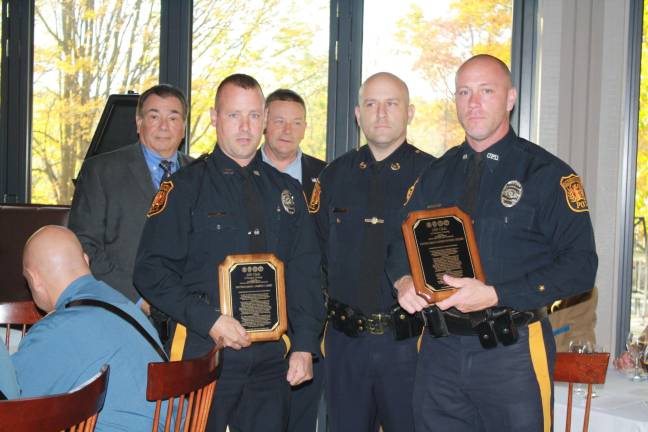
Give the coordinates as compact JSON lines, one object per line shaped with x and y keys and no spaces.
{"x":621,"y":406}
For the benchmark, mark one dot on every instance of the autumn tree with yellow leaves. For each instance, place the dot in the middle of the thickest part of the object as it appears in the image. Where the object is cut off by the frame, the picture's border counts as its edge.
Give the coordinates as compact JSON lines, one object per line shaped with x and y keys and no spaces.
{"x":85,"y":50}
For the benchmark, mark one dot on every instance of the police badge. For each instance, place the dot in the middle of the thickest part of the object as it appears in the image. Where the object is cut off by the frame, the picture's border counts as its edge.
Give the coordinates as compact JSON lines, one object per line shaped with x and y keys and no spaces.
{"x":288,"y":201}
{"x":511,"y":193}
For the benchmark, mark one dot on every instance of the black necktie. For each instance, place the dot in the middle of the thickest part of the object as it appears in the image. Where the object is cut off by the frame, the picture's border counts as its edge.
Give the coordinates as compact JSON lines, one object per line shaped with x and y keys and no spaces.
{"x":372,"y":249}
{"x":166,"y":166}
{"x":253,"y":212}
{"x":468,"y":199}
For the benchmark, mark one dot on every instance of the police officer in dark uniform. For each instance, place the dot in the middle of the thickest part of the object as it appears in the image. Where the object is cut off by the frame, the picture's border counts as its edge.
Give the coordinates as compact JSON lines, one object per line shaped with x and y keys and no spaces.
{"x":231,"y":202}
{"x":285,"y":128}
{"x":487,"y":362}
{"x":370,"y":347}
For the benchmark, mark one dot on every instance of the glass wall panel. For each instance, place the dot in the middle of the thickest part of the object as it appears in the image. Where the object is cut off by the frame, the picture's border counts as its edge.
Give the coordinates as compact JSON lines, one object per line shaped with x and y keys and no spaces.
{"x":424,"y":42}
{"x":639,"y":300}
{"x":282,"y":43}
{"x":83,"y":52}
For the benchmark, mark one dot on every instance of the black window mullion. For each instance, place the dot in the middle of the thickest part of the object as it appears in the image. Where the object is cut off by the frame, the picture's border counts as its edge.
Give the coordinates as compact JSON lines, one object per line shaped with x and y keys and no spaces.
{"x":15,"y":115}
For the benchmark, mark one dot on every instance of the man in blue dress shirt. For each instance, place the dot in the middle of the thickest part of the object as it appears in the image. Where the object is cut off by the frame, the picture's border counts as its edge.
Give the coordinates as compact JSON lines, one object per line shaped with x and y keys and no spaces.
{"x":114,"y":190}
{"x":71,"y":344}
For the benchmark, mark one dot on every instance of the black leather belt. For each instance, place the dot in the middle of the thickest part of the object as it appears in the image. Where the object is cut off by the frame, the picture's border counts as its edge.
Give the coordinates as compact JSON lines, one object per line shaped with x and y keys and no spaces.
{"x":352,"y":322}
{"x":493,"y":325}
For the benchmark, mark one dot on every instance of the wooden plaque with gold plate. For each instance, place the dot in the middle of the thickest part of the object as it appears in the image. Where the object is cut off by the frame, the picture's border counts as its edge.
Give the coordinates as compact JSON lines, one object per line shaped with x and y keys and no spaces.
{"x":252,"y":290}
{"x":440,"y":241}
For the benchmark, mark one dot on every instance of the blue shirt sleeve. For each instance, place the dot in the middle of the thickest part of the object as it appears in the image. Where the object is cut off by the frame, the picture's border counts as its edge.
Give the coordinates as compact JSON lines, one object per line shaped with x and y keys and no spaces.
{"x":8,"y":382}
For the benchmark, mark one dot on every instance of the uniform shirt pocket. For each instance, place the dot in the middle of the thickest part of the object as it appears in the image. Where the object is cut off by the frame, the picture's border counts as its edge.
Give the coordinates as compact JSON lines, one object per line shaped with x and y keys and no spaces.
{"x":212,"y":220}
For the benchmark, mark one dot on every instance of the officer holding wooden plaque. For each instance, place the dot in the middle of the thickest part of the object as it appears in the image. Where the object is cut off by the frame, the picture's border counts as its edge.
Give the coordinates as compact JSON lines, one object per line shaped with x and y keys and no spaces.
{"x":229,"y":252}
{"x":498,"y":228}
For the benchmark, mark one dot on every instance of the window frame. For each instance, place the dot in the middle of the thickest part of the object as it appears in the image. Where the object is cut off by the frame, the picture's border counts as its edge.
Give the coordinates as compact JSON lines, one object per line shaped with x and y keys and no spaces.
{"x":629,"y":171}
{"x":176,"y":22}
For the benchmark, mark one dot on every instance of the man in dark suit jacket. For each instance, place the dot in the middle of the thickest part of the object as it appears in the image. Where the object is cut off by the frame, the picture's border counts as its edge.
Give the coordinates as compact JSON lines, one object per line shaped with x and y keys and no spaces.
{"x":285,"y":128}
{"x":114,"y":190}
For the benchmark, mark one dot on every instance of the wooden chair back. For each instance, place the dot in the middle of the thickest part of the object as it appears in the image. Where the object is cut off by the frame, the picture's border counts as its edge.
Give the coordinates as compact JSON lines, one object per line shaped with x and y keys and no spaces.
{"x":75,"y":411}
{"x":19,"y":314}
{"x":580,"y":368}
{"x":188,"y":388}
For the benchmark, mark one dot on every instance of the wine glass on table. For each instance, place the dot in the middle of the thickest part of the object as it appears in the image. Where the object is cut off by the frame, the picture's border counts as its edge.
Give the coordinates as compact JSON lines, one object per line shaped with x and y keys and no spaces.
{"x":580,"y":346}
{"x":593,"y":348}
{"x":636,"y":346}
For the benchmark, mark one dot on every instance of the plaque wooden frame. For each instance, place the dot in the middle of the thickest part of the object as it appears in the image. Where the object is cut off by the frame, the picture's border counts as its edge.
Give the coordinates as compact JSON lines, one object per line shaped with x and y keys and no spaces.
{"x":429,"y":293}
{"x":225,"y":269}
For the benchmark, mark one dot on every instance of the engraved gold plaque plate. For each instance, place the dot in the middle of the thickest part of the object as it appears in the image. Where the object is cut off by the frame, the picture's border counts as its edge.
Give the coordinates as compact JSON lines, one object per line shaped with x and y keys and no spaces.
{"x":252,"y":290}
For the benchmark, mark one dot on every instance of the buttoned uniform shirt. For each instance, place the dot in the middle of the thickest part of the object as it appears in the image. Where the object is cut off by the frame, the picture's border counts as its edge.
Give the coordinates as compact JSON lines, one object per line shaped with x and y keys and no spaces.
{"x":531,"y":221}
{"x":204,"y":221}
{"x":342,"y":216}
{"x":294,"y":168}
{"x":70,"y":345}
{"x":153,"y":163}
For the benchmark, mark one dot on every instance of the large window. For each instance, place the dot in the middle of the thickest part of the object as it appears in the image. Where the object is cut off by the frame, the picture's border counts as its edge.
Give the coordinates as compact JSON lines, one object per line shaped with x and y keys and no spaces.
{"x":639,"y":296}
{"x":83,"y":52}
{"x":282,"y":43}
{"x":424,"y":43}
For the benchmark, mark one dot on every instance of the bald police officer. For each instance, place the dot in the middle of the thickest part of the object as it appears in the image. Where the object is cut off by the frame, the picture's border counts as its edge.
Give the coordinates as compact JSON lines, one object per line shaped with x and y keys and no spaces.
{"x":370,"y":357}
{"x":490,"y":366}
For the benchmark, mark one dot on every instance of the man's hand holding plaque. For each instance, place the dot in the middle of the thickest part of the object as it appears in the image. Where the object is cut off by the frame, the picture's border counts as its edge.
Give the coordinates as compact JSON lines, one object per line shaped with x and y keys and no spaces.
{"x":253,"y":294}
{"x":229,"y":333}
{"x":439,"y":243}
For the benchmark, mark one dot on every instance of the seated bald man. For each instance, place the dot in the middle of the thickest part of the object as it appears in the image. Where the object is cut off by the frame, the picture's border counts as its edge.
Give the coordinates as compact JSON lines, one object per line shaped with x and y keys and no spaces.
{"x":78,"y":336}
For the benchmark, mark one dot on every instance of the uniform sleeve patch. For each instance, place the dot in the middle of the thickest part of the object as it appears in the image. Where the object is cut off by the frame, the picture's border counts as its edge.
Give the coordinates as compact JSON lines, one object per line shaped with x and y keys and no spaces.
{"x":410,"y":192}
{"x":160,"y":201}
{"x":574,"y":193}
{"x":314,"y":203}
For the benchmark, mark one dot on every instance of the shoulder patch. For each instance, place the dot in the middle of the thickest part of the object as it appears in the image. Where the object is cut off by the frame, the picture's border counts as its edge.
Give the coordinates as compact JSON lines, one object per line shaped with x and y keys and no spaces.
{"x":314,"y":203}
{"x":160,"y":201}
{"x":574,"y":193}
{"x":410,"y":192}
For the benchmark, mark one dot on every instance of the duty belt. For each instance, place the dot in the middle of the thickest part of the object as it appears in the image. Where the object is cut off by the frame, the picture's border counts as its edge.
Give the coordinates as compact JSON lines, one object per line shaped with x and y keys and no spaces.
{"x":352,"y":322}
{"x":493,"y":325}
